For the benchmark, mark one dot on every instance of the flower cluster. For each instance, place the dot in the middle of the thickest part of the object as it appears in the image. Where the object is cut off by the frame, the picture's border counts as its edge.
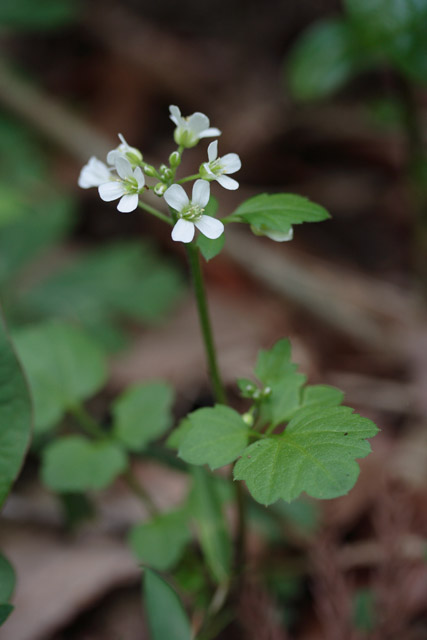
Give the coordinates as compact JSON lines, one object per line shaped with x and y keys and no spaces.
{"x":123,"y":177}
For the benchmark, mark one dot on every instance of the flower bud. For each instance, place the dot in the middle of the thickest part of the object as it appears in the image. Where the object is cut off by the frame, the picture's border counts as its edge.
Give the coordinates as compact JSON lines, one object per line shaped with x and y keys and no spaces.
{"x":175,"y":159}
{"x":149,"y":170}
{"x":159,"y":189}
{"x":248,"y":419}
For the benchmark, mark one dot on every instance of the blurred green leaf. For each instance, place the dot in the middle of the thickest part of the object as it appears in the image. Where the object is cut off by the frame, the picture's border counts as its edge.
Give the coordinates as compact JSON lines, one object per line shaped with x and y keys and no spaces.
{"x":37,"y":14}
{"x":63,"y":365}
{"x":166,"y":617}
{"x":322,"y":394}
{"x":178,"y":433}
{"x":38,"y":227}
{"x":274,"y":364}
{"x":142,"y":414}
{"x":160,"y":542}
{"x":119,"y":280}
{"x":364,"y":610}
{"x":5,"y":611}
{"x":15,"y":415}
{"x":74,"y":463}
{"x":218,"y":436}
{"x":7,"y":579}
{"x":323,"y":60}
{"x":212,"y":531}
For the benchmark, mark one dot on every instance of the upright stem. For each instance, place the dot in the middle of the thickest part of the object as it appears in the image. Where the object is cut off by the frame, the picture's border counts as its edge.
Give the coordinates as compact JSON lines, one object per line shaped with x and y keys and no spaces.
{"x":202,"y":307}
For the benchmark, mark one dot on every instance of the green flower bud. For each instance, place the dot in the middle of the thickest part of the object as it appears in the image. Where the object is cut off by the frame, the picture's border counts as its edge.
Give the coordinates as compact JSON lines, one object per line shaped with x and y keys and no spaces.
{"x":175,"y":159}
{"x":185,"y":138}
{"x":134,"y":157}
{"x":159,"y":189}
{"x":149,"y":170}
{"x":248,"y":419}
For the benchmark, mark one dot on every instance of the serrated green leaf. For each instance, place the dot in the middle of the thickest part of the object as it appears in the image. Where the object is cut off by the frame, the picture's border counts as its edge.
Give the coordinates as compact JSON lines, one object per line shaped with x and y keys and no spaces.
{"x":278,"y":212}
{"x":217,"y":437}
{"x":316,"y":454}
{"x":142,"y":413}
{"x":165,"y":614}
{"x":323,"y":60}
{"x":210,"y":248}
{"x":15,"y":414}
{"x":274,"y":364}
{"x":322,"y":394}
{"x":284,"y":399}
{"x":74,"y":463}
{"x":212,"y":531}
{"x":7,"y":579}
{"x":161,"y":542}
{"x":64,"y":366}
{"x":5,"y":611}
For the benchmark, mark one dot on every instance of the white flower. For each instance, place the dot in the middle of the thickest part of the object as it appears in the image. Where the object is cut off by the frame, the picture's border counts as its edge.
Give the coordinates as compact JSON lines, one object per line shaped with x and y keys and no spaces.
{"x":277,"y":236}
{"x":127,"y":188}
{"x":216,"y":168}
{"x":190,"y":130}
{"x":190,"y":212}
{"x":131,"y":153}
{"x":93,"y":174}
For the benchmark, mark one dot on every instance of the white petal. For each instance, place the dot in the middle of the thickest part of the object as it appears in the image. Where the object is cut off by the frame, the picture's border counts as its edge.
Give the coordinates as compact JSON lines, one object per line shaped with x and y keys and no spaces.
{"x":213,"y":151}
{"x":183,"y":231}
{"x":123,"y":140}
{"x":128,"y":203}
{"x":175,"y":114}
{"x":280,"y":236}
{"x":201,"y":193}
{"x":227,"y":183}
{"x":112,"y":156}
{"x":176,"y":197}
{"x":198,"y":122}
{"x":93,"y":174}
{"x":208,"y":170}
{"x":139,"y":176}
{"x":123,"y":167}
{"x":210,"y":133}
{"x":111,"y":191}
{"x":231,"y":163}
{"x":210,"y":227}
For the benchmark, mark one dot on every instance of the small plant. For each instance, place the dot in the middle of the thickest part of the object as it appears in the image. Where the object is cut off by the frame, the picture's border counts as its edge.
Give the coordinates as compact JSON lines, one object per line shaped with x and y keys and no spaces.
{"x":293,"y":437}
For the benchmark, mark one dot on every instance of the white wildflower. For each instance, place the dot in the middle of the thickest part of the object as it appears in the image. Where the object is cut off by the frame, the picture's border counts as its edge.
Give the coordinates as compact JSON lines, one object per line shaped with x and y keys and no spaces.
{"x":216,"y":168}
{"x":127,"y":187}
{"x":93,"y":174}
{"x":125,"y":150}
{"x":190,"y":130}
{"x":190,"y":212}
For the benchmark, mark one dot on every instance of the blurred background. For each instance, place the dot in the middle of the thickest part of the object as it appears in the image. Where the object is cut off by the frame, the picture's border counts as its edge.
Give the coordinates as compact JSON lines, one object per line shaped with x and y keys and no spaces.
{"x":320,"y":98}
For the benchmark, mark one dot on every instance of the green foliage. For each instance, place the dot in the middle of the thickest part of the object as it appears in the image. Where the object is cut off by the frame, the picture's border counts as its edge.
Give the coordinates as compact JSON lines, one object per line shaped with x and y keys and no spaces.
{"x":36,"y":14}
{"x":210,"y":248}
{"x":217,"y":436}
{"x":15,"y":415}
{"x":274,"y":364}
{"x":160,"y":542}
{"x":212,"y":531}
{"x":63,"y":365}
{"x":165,"y":614}
{"x":7,"y":585}
{"x":74,"y":463}
{"x":323,"y":60}
{"x":364,"y":610}
{"x":272,"y":213}
{"x":142,"y":414}
{"x":315,"y":453}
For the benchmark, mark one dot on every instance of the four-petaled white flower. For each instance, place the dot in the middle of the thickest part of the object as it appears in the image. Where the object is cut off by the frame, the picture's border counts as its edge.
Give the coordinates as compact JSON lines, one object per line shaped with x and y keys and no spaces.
{"x":190,"y":130}
{"x":124,"y":149}
{"x":190,"y":212}
{"x":216,"y":168}
{"x":127,"y":188}
{"x":93,"y":174}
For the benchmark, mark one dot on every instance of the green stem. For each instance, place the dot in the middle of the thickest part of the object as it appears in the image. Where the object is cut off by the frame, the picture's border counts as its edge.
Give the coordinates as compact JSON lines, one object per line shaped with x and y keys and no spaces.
{"x":87,"y":422}
{"x":205,"y":325}
{"x":189,"y":178}
{"x":155,"y":212}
